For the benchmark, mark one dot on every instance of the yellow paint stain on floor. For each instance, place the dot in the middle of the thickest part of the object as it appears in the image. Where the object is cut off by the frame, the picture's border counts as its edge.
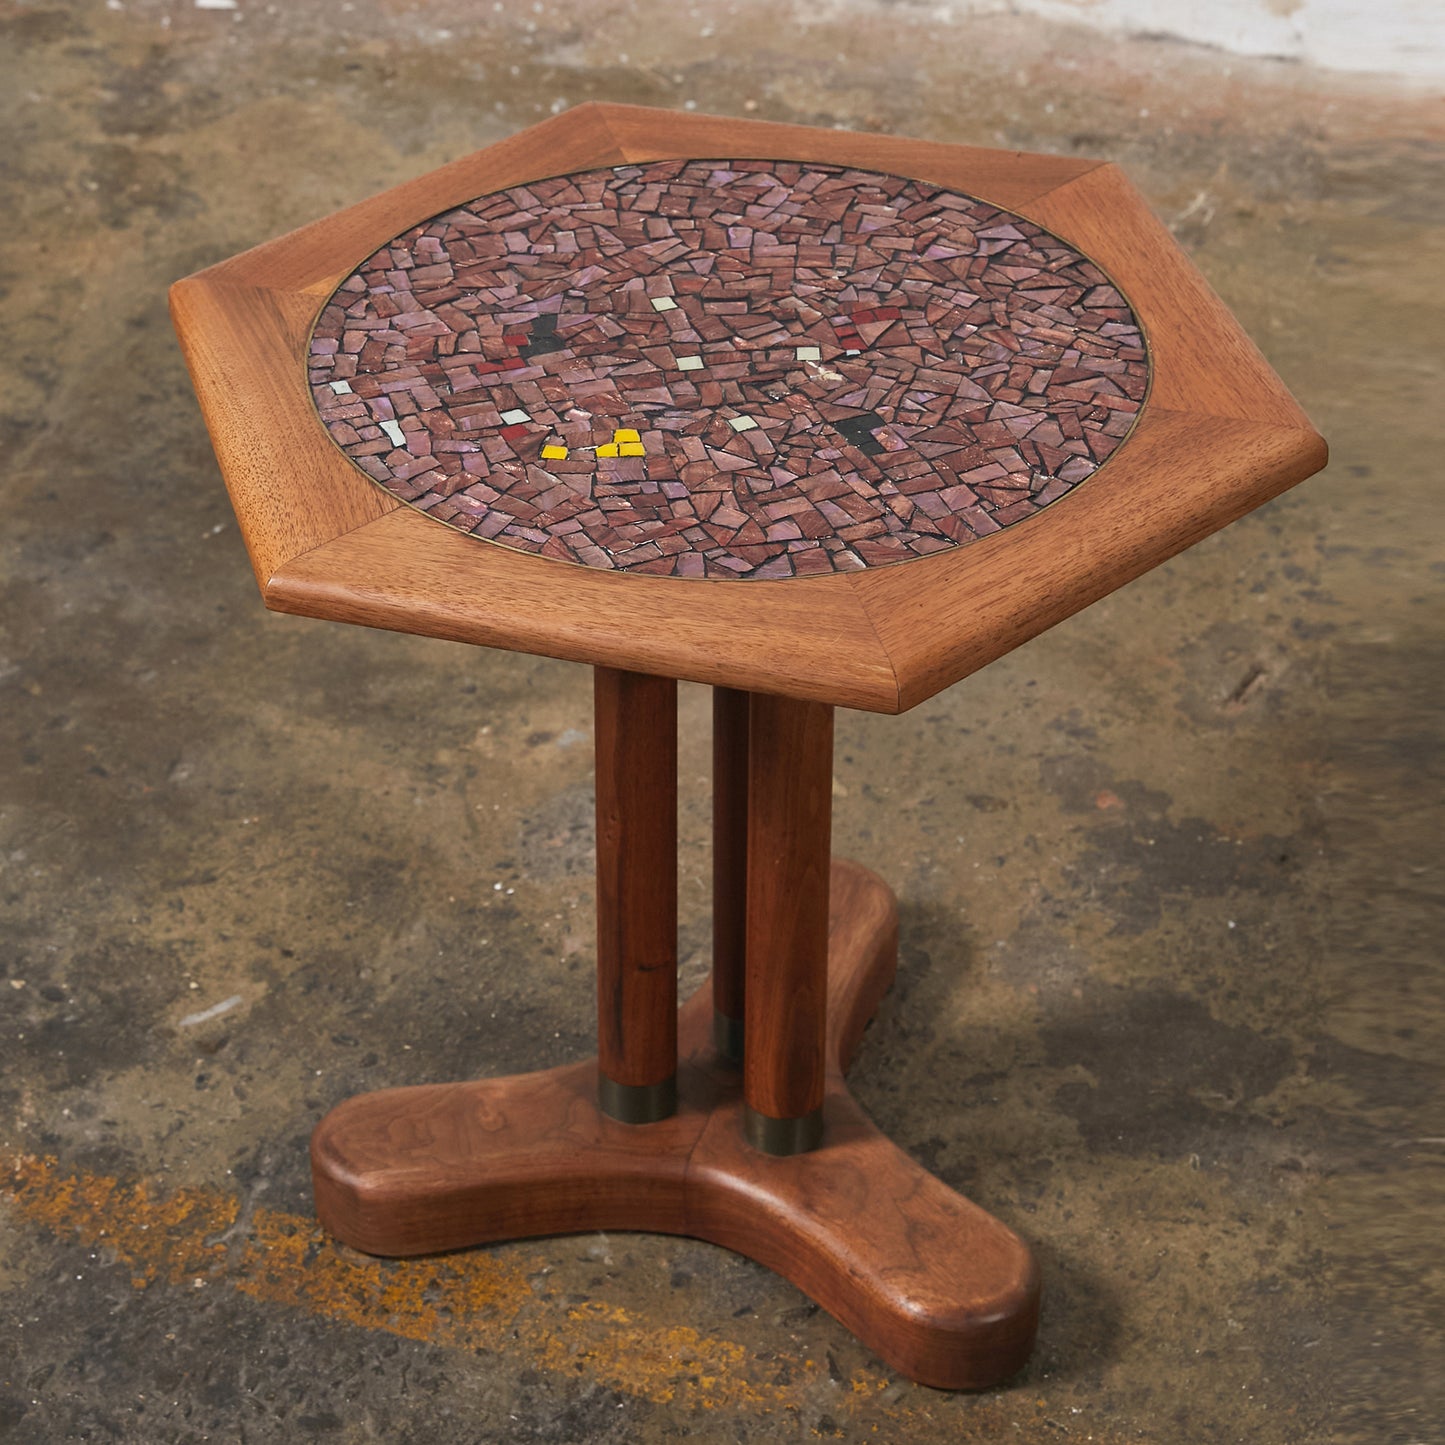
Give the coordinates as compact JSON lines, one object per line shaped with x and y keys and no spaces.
{"x":474,"y":1301}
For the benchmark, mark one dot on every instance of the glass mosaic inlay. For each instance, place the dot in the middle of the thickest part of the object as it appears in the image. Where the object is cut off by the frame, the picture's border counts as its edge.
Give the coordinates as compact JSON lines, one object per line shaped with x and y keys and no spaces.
{"x":728,"y":369}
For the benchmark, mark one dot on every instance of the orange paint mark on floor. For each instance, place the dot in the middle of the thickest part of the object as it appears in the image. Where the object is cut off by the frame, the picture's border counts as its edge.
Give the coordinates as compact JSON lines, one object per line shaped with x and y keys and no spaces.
{"x":475,"y":1301}
{"x":159,"y":1237}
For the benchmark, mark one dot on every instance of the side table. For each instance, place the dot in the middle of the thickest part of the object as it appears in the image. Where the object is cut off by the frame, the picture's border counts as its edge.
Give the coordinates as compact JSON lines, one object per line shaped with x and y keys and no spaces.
{"x":820,"y":419}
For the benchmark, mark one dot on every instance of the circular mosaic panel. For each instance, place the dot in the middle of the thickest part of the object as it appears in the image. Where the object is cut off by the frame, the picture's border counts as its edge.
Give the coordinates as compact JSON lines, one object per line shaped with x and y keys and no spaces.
{"x":728,"y":369}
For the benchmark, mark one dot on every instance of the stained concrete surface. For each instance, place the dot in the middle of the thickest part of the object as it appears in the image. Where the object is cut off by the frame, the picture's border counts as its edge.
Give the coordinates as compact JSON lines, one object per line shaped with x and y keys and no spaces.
{"x":1169,"y":994}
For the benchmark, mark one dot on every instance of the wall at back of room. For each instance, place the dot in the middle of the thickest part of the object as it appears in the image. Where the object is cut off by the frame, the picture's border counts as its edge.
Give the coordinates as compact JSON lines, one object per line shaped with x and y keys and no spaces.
{"x":1391,"y":37}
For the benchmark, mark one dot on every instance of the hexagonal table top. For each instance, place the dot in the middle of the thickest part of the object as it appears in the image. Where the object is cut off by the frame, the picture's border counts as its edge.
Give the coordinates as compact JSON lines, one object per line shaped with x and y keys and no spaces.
{"x":735,"y":369}
{"x":924,"y":400}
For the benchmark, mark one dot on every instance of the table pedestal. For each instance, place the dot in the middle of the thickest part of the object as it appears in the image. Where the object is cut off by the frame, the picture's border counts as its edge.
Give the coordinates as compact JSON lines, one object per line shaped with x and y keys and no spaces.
{"x":771,"y":1156}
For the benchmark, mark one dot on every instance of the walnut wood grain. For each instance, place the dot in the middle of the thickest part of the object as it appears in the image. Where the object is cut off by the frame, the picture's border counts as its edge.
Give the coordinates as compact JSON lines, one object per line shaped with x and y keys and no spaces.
{"x":790,"y":772}
{"x":636,"y":743}
{"x":941,"y":1290}
{"x":256,"y":412}
{"x":1219,"y":434}
{"x":807,"y":638}
{"x":729,"y":854}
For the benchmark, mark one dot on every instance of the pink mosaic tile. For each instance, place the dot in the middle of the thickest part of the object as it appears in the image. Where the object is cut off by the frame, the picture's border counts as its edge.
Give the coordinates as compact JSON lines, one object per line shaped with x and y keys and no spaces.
{"x":728,"y":369}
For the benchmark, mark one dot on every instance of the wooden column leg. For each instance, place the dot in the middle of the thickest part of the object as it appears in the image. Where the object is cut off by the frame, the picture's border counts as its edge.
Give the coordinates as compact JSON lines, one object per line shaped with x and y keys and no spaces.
{"x":790,"y":747}
{"x":729,"y":867}
{"x":636,"y":729}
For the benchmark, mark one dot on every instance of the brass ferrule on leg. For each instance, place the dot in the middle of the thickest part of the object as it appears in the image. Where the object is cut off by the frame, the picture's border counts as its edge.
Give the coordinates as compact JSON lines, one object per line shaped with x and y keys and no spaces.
{"x":637,"y":1103}
{"x":782,"y":1136}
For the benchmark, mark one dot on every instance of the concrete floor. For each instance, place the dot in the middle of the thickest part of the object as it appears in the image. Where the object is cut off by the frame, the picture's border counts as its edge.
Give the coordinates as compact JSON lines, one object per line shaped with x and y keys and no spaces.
{"x":1168,"y":1000}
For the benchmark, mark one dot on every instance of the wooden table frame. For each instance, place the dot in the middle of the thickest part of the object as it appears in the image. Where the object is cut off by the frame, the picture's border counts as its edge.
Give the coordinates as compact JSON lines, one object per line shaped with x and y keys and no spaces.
{"x":730,"y":1119}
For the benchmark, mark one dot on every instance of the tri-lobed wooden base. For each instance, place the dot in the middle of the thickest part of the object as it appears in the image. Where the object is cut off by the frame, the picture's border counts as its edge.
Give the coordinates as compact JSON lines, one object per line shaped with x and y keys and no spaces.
{"x":938,"y":1288}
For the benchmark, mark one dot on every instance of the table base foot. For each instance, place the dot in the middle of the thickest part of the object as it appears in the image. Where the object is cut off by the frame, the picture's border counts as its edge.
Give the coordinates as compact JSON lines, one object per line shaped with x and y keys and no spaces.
{"x":937,"y":1287}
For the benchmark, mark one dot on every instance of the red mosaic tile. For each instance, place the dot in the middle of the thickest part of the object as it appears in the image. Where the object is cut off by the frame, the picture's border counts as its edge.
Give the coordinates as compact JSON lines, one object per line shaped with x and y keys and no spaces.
{"x":824,"y":369}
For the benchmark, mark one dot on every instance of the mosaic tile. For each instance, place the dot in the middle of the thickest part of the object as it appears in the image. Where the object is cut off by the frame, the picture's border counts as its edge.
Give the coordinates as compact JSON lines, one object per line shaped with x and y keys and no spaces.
{"x":730,"y":369}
